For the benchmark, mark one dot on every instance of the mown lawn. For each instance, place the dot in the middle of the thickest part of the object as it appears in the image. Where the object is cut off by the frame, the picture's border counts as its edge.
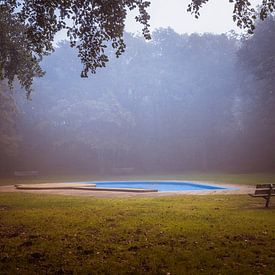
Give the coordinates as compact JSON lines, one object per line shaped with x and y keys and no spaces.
{"x":42,"y":234}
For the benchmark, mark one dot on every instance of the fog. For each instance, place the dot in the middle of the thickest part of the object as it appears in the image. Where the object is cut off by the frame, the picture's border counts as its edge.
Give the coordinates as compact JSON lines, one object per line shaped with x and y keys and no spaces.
{"x":177,"y":103}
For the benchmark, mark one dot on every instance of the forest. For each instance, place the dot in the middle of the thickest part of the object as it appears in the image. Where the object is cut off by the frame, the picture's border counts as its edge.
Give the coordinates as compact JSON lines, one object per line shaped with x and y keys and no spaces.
{"x":178,"y":102}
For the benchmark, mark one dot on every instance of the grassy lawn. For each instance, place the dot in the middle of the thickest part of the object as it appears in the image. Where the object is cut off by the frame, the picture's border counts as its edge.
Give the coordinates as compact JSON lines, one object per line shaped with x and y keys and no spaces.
{"x":214,"y":177}
{"x":42,"y":234}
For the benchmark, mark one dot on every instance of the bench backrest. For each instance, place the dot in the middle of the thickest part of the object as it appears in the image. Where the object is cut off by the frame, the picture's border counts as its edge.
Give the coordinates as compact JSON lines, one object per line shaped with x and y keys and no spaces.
{"x":265,"y":189}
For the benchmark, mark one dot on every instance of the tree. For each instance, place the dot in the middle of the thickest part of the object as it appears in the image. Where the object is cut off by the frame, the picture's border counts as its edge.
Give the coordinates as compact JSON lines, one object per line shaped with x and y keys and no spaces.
{"x":257,"y":64}
{"x":244,"y":14}
{"x":169,"y":114}
{"x":257,"y":54}
{"x":9,"y":139}
{"x":16,"y":58}
{"x":91,"y":26}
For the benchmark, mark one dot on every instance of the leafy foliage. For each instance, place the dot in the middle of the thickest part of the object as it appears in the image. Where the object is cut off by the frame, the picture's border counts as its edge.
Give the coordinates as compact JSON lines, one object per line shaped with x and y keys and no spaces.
{"x":257,"y":54}
{"x":8,"y":135}
{"x":16,"y":58}
{"x":244,"y":14}
{"x":28,"y":29}
{"x":90,"y":25}
{"x":257,"y":66}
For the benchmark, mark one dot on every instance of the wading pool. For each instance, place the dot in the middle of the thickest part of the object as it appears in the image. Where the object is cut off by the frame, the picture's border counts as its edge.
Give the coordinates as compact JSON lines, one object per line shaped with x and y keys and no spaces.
{"x":164,"y":186}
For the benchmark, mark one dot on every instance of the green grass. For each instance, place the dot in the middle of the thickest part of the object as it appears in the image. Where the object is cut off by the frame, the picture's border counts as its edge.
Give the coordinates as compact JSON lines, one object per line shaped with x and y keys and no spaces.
{"x":214,"y":177}
{"x":42,"y":234}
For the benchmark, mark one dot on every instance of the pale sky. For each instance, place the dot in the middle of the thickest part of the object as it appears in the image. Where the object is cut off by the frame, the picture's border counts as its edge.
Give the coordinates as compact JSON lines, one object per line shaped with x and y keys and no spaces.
{"x":216,"y":17}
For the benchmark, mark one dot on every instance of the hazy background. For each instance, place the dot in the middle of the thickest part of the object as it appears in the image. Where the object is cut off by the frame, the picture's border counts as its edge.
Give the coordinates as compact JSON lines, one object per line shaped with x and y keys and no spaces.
{"x":180,"y":102}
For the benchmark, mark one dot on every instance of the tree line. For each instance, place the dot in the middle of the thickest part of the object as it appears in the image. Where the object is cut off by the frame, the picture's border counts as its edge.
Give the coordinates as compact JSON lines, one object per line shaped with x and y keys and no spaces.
{"x":175,"y":103}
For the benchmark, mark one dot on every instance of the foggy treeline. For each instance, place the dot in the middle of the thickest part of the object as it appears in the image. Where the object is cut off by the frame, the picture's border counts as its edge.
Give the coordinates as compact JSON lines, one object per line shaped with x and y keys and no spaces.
{"x":177,"y":103}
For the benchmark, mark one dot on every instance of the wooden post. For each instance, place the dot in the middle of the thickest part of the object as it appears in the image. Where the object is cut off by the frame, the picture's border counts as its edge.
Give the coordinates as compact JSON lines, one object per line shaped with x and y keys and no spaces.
{"x":269,"y":195}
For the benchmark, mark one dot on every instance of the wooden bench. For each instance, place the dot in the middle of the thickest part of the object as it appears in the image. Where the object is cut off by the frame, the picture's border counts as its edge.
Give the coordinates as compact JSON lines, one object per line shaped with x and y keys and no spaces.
{"x":265,"y":191}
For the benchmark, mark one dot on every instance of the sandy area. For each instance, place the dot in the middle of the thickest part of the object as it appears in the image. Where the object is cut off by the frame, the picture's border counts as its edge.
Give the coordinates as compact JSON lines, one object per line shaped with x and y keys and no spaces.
{"x":236,"y":189}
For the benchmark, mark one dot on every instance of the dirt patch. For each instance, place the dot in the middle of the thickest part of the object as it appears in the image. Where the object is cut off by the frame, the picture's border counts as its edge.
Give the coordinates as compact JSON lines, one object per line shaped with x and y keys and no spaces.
{"x":11,"y":231}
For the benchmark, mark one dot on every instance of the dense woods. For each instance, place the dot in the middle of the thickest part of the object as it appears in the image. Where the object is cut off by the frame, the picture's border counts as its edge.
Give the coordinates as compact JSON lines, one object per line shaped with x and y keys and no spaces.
{"x":175,"y":103}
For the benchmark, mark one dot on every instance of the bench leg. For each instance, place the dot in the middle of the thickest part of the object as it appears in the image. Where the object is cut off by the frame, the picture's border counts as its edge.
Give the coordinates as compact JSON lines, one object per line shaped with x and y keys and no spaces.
{"x":267,"y":200}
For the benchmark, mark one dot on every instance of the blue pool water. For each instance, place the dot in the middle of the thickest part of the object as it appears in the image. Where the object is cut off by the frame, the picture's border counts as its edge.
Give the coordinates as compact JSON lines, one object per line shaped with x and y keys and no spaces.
{"x":159,"y":185}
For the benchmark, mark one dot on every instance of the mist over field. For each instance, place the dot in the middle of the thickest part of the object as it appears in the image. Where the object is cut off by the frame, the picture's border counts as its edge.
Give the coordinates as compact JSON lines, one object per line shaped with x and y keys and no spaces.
{"x":174,"y":104}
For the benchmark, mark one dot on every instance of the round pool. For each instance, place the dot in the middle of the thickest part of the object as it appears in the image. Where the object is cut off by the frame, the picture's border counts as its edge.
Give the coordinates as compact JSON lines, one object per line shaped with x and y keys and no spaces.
{"x":158,"y":185}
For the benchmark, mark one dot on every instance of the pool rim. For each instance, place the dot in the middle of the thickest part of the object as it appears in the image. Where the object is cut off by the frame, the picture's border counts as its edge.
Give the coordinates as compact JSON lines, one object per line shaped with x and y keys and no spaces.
{"x":198,"y":183}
